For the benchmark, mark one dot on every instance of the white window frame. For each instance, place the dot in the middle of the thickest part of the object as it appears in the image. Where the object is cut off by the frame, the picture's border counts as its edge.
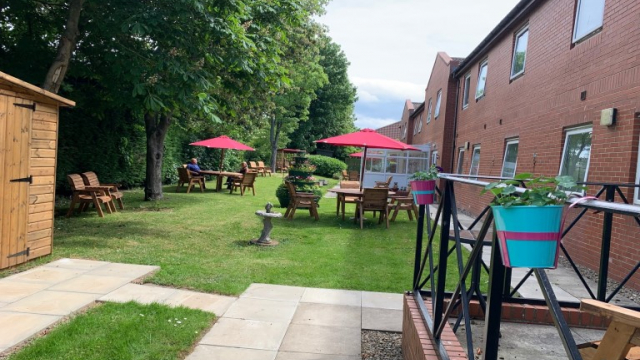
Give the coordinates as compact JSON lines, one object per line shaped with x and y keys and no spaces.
{"x":590,"y":31}
{"x":476,"y":147}
{"x":436,"y":112}
{"x":460,"y":160}
{"x":568,"y":133}
{"x":429,"y":112}
{"x":465,"y":91}
{"x":504,"y":160}
{"x":636,"y":191}
{"x":420,"y":124}
{"x":404,"y":131}
{"x":434,"y":157}
{"x":515,"y":47}
{"x":483,"y":64}
{"x":415,"y":126}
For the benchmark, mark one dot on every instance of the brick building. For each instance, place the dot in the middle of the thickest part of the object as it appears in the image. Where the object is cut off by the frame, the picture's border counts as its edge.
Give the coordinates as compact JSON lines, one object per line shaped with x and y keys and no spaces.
{"x":393,"y":131}
{"x":530,"y":98}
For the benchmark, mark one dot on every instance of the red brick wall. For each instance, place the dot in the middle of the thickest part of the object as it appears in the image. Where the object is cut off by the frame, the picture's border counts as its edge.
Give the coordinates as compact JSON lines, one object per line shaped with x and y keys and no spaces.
{"x":439,"y":132}
{"x":540,"y":105}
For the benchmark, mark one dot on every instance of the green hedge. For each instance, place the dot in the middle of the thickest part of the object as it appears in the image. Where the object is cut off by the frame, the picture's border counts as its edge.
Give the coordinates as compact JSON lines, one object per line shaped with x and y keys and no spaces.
{"x":326,"y":166}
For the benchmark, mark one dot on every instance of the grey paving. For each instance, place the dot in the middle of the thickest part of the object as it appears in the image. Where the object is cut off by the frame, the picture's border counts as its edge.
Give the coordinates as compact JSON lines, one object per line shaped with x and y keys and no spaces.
{"x":323,"y":339}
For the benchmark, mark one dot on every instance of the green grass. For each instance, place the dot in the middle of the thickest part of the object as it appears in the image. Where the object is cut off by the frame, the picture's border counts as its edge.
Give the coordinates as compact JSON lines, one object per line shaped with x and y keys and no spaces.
{"x":122,"y":331}
{"x":200,"y":241}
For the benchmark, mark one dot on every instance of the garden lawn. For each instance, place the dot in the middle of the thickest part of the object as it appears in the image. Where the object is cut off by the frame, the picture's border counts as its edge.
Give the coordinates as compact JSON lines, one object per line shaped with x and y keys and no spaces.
{"x":201,"y":242}
{"x":122,"y":331}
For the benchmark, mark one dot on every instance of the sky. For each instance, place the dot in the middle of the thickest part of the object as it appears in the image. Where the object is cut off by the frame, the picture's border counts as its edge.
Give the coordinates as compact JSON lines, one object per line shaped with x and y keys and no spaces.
{"x":392,"y":45}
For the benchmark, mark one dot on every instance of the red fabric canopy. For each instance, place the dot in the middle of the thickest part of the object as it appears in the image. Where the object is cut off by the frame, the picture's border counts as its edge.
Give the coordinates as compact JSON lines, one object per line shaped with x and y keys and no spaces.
{"x":223,"y":142}
{"x":358,"y":154}
{"x":367,"y":138}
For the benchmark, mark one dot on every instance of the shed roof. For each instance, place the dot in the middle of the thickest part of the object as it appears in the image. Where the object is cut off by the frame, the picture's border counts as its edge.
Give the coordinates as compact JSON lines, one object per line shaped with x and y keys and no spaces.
{"x":12,"y":82}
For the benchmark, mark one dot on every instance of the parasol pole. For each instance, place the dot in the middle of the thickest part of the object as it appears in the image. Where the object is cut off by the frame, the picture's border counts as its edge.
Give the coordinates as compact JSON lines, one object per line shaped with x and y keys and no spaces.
{"x":364,"y":160}
{"x":222,"y":159}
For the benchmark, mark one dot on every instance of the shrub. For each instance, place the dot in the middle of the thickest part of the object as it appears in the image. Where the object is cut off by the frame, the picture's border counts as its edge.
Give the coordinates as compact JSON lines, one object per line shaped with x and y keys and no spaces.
{"x":282,"y":193}
{"x":327,"y":166}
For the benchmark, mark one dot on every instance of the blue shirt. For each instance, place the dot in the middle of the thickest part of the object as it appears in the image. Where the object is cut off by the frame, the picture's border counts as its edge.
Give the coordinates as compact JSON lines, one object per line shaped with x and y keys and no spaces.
{"x":193,"y":167}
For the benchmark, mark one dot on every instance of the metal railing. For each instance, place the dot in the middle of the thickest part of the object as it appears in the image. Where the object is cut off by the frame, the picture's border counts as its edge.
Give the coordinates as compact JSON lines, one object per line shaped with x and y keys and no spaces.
{"x":431,"y":271}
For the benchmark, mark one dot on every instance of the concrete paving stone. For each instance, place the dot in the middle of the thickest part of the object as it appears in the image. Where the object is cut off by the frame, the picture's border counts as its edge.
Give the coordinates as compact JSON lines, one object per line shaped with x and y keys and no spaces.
{"x":309,"y":356}
{"x":331,"y":296}
{"x":216,"y":304}
{"x":262,"y":310}
{"x":322,"y":340}
{"x":328,"y":315}
{"x":140,"y":293}
{"x":11,"y":291}
{"x":45,"y":275}
{"x":124,"y":270}
{"x":207,"y":352}
{"x":381,"y":300}
{"x":248,"y":334}
{"x":382,"y":319}
{"x":273,"y":292}
{"x":52,"y":303}
{"x":92,"y":284}
{"x":18,"y":327}
{"x":77,"y":264}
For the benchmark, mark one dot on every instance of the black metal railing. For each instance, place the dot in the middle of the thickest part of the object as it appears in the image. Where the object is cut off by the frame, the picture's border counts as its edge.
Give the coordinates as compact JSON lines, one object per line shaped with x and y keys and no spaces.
{"x":431,"y":272}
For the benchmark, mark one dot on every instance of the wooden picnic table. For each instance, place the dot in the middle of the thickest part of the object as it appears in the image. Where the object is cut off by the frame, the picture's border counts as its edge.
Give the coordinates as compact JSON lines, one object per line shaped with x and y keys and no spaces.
{"x":219,"y":175}
{"x":343,"y":193}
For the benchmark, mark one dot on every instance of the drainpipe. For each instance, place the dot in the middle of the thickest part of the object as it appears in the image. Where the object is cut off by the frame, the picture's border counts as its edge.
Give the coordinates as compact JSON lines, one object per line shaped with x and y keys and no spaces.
{"x":455,"y":125}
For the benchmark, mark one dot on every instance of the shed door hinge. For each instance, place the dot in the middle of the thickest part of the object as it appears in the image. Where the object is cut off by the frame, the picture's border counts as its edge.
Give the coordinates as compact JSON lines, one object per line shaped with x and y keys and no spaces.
{"x":28,"y":106}
{"x":28,"y":179}
{"x":24,"y":252}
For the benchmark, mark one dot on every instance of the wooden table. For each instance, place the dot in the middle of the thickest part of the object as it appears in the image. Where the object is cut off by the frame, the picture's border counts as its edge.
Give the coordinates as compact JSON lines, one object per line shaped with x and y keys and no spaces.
{"x":343,"y":193}
{"x":219,"y":175}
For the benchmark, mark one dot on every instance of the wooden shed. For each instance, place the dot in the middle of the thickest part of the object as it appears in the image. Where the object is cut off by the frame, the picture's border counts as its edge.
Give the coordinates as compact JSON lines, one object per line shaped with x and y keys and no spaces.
{"x":28,"y":147}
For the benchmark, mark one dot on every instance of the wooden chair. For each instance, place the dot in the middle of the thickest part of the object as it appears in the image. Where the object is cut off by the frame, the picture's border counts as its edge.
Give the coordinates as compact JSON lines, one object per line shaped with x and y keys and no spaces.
{"x":383,"y":184}
{"x":302,"y":201}
{"x":346,"y":199}
{"x":185,"y":177}
{"x":265,"y":169}
{"x":373,"y":200}
{"x":622,"y":338}
{"x":399,"y":203}
{"x":354,"y":175}
{"x":85,"y":195}
{"x":345,"y":175}
{"x":91,"y":179}
{"x":247,"y":181}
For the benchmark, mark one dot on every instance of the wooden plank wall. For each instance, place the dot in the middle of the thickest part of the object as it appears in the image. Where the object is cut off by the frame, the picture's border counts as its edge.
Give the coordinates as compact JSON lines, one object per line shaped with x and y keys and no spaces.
{"x":44,"y":143}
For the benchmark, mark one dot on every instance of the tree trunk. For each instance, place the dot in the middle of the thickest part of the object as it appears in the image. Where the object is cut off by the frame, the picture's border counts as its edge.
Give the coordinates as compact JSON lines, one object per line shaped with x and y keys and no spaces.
{"x":274,"y":136}
{"x":156,"y":127}
{"x":66,"y":46}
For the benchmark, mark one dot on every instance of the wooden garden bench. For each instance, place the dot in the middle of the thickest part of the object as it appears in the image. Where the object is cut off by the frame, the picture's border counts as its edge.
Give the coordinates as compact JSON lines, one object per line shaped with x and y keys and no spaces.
{"x":622,"y":338}
{"x":85,"y":195}
{"x":91,"y":179}
{"x":185,"y":177}
{"x":247,"y":181}
{"x":264,"y":170}
{"x":300,"y":200}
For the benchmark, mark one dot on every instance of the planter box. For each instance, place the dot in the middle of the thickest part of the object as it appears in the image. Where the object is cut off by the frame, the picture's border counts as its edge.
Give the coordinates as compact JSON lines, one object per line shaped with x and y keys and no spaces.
{"x":423,"y":191}
{"x":529,"y":236}
{"x":300,"y":173}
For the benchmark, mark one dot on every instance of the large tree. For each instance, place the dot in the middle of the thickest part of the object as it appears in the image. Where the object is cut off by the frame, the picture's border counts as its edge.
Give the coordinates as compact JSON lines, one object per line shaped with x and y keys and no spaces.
{"x":331,"y":112}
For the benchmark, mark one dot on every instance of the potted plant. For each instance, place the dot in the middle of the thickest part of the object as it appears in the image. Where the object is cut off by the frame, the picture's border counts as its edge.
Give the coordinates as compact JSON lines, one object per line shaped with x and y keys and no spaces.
{"x":529,"y":225}
{"x":423,"y":185}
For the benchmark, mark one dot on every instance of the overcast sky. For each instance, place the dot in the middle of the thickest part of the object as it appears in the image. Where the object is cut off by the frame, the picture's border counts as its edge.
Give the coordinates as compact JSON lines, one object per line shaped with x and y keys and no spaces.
{"x":392,"y":45}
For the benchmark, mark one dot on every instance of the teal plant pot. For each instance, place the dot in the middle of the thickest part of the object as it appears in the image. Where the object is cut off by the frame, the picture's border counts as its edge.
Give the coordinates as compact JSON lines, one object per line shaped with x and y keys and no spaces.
{"x":529,"y":236}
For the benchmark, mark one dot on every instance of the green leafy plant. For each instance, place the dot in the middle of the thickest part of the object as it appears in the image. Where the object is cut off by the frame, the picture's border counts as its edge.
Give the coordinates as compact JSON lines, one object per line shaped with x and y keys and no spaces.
{"x":282,"y":193}
{"x":540,"y":190}
{"x":430,"y":174}
{"x":326,"y":166}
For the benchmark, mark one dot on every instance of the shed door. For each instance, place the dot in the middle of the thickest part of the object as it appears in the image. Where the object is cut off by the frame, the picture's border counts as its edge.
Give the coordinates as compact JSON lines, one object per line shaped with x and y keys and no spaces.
{"x":15,"y":139}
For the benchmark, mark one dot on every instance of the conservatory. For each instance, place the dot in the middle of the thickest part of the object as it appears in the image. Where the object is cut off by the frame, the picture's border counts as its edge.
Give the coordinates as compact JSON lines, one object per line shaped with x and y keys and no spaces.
{"x":380,"y":164}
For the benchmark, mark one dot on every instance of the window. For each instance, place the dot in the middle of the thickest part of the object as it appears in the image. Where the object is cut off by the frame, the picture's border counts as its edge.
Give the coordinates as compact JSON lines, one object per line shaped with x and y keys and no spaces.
{"x":510,"y":159}
{"x":460,"y":160}
{"x":429,"y":112}
{"x":404,"y":131}
{"x":415,"y":126}
{"x":482,"y":79}
{"x":438,"y":100}
{"x":636,"y":196}
{"x":465,"y":91}
{"x":475,"y":161}
{"x":576,"y":153}
{"x":434,"y":158}
{"x":519,"y":52}
{"x":420,"y":124}
{"x":589,"y":17}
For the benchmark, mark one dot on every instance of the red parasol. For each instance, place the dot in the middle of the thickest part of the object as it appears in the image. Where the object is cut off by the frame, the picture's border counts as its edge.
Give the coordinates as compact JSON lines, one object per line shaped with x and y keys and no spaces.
{"x":366,"y":138}
{"x":223,"y":142}
{"x":358,"y":154}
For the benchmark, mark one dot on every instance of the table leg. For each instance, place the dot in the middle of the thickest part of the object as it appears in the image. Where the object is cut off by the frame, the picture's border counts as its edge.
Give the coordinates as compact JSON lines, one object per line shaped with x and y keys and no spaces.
{"x":218,"y":183}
